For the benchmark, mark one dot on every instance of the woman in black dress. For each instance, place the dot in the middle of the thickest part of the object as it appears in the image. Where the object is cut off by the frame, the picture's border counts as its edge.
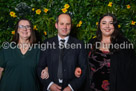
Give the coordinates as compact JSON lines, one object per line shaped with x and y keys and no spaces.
{"x":112,"y":64}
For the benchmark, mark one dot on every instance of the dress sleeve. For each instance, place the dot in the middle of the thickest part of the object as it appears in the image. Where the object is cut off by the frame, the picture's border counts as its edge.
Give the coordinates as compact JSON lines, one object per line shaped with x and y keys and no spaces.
{"x":2,"y":59}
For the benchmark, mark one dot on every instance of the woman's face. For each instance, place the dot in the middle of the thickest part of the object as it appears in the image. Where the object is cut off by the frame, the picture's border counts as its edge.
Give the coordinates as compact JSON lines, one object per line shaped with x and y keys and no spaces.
{"x":24,"y":29}
{"x":106,"y":26}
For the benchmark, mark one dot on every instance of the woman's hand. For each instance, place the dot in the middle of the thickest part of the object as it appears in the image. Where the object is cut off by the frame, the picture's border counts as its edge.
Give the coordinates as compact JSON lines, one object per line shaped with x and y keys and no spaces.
{"x":44,"y":73}
{"x":78,"y":72}
{"x":1,"y":70}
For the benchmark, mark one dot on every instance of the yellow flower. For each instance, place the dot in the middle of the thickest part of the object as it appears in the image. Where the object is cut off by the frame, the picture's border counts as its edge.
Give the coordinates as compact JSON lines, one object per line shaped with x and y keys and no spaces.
{"x":38,"y":11}
{"x":13,"y":14}
{"x":110,"y":4}
{"x":13,"y":32}
{"x":45,"y":10}
{"x":33,"y":9}
{"x":96,"y":23}
{"x":133,"y":23}
{"x":119,"y":26}
{"x":80,"y":22}
{"x":66,"y":6}
{"x":35,"y":27}
{"x":128,"y":6}
{"x":45,"y":33}
{"x":64,"y":10}
{"x":94,"y":37}
{"x":77,"y":25}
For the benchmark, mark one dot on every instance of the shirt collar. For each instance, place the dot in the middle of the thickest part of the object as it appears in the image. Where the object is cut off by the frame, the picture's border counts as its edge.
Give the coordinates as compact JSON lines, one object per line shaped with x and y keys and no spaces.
{"x":66,"y":38}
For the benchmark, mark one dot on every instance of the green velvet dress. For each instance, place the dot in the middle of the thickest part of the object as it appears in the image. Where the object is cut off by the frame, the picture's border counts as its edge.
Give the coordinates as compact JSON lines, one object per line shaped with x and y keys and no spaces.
{"x":19,"y":70}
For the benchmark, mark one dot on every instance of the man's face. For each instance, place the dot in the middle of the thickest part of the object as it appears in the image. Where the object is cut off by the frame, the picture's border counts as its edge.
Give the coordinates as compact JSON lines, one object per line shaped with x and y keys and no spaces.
{"x":64,"y":25}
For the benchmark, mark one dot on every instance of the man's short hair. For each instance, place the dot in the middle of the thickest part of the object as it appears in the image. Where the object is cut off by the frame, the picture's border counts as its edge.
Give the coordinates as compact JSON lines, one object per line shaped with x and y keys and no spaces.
{"x":57,"y":19}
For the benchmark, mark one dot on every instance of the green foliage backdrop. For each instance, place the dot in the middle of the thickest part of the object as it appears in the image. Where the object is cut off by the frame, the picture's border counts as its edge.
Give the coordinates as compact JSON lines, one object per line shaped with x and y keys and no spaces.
{"x":85,"y":14}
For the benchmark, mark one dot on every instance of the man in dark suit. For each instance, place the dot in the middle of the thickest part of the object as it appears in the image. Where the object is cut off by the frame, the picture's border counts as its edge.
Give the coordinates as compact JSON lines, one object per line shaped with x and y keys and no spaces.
{"x":63,"y":60}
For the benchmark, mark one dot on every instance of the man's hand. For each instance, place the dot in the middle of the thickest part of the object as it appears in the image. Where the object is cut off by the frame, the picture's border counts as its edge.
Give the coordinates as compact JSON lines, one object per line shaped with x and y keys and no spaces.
{"x":67,"y":89}
{"x":55,"y":87}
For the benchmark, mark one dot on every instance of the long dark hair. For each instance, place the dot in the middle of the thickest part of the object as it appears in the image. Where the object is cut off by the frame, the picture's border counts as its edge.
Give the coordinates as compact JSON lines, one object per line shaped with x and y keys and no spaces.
{"x":116,"y":32}
{"x":32,"y":38}
{"x":115,"y":36}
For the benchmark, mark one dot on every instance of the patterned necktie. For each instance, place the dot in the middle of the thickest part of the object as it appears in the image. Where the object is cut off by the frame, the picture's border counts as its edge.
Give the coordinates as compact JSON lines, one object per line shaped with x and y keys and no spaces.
{"x":60,"y":72}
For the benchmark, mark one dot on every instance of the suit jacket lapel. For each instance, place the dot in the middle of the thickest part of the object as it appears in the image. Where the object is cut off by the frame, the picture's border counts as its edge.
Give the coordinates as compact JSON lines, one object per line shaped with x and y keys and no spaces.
{"x":56,"y":49}
{"x":56,"y":42}
{"x":66,"y":50}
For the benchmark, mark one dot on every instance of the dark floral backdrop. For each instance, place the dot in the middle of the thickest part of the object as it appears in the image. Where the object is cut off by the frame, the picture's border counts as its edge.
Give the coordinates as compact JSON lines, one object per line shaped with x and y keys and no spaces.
{"x":85,"y":15}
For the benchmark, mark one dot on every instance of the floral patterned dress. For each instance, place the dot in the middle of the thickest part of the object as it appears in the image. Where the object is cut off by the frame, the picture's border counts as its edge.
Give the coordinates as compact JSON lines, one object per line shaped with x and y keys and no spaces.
{"x":100,"y":70}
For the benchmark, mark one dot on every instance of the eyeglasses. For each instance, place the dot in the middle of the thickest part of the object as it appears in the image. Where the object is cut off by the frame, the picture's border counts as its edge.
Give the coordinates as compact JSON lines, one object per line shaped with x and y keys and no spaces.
{"x":24,"y":27}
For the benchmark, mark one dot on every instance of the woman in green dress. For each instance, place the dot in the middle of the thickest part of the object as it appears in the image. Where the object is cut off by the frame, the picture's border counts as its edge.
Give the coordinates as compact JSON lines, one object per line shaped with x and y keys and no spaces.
{"x":18,"y":63}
